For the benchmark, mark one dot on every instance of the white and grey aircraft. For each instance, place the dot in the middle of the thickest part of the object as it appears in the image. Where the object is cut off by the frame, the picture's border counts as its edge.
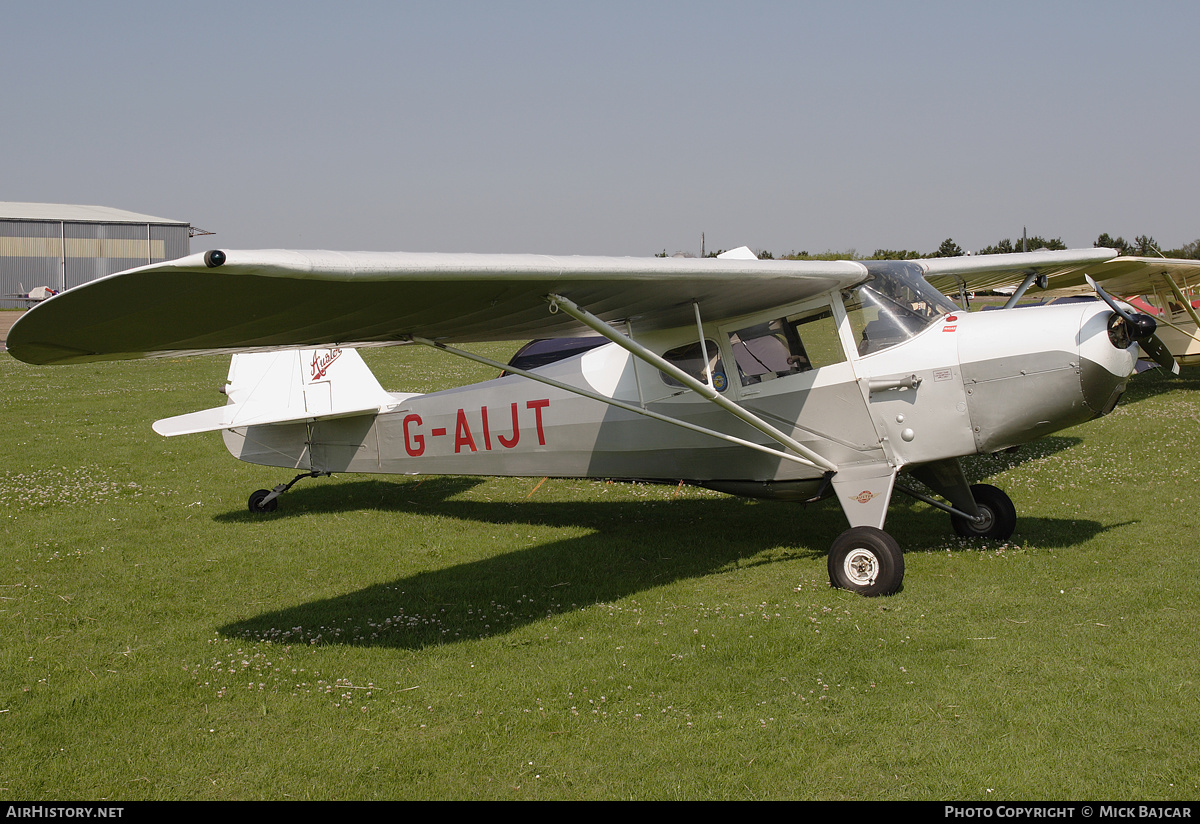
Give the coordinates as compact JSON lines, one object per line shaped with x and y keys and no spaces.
{"x":791,"y":380}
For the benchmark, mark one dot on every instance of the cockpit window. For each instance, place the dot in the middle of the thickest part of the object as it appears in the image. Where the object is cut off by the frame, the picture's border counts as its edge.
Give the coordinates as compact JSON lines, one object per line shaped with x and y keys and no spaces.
{"x":690,"y":359}
{"x":892,"y":306}
{"x":786,"y":346}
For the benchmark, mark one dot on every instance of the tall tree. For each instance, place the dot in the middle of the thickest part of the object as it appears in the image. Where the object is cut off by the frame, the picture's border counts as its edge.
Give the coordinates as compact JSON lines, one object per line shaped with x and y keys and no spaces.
{"x":949,"y":249}
{"x":1107,"y":241}
{"x":1190,"y":251}
{"x":1002,"y":248}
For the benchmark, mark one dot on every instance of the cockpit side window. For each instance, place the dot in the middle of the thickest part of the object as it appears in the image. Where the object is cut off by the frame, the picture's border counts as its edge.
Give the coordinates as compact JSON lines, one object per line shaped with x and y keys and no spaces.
{"x":690,"y":359}
{"x":786,"y":346}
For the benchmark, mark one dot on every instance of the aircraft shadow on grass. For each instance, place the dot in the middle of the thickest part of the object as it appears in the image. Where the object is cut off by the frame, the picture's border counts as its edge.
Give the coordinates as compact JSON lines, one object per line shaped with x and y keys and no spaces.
{"x":630,"y":547}
{"x":982,"y":467}
{"x":1155,"y":382}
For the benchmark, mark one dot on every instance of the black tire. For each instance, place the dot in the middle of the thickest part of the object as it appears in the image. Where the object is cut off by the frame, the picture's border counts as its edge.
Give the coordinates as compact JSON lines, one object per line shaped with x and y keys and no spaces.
{"x":256,"y":501}
{"x":866,"y":560}
{"x":998,"y":516}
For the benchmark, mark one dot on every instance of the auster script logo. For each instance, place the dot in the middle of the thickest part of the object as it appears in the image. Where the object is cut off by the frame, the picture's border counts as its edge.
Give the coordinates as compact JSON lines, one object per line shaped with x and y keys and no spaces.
{"x":320,"y":363}
{"x":864,"y":497}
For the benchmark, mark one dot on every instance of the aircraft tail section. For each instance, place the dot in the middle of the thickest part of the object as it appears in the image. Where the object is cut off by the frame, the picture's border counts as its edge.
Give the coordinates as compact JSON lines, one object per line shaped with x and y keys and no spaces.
{"x":290,"y":385}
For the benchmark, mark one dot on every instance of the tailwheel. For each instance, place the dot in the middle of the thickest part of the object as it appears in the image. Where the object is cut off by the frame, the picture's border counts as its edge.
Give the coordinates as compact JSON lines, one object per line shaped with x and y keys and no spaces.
{"x":866,"y":560}
{"x":267,"y":500}
{"x":257,"y":503}
{"x":997,"y":515}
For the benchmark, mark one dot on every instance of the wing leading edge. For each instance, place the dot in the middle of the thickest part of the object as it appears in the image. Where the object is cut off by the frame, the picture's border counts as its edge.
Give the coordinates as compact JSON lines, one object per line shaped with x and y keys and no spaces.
{"x":1066,"y":271}
{"x":241,"y":301}
{"x":984,"y":272}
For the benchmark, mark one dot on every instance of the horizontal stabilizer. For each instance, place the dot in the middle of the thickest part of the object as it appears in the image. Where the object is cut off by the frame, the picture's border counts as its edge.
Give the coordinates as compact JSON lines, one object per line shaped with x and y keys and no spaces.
{"x":227,"y":417}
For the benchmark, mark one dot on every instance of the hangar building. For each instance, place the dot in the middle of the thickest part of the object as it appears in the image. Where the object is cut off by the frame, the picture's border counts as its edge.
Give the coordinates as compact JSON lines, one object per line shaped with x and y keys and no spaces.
{"x":60,"y":246}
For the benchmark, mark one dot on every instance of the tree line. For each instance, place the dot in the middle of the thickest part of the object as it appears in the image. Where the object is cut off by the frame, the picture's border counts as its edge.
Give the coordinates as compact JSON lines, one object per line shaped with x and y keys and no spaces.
{"x":1140,"y":246}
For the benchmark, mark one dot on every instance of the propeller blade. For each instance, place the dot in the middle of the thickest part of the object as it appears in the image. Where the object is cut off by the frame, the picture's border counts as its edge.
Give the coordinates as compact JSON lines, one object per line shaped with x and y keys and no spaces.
{"x":1107,"y":298}
{"x":1158,"y":352}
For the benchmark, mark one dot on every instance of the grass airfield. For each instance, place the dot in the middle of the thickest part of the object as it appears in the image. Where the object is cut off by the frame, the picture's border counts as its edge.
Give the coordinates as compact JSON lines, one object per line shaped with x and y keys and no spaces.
{"x":386,"y":637}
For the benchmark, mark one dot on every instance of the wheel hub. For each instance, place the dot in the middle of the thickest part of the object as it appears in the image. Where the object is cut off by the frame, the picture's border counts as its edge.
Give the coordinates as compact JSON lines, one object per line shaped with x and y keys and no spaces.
{"x":862,"y":567}
{"x":986,"y":519}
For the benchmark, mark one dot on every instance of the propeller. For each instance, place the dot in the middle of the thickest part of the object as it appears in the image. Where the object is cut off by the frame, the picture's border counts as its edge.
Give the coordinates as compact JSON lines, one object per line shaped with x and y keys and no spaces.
{"x":1139,"y":327}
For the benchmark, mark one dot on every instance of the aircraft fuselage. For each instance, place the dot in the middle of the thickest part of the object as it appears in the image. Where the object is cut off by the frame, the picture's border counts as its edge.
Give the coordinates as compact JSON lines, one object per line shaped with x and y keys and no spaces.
{"x":963,"y":383}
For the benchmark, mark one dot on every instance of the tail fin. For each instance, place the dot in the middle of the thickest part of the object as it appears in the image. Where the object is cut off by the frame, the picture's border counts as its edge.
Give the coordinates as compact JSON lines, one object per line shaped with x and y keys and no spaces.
{"x":285,"y":386}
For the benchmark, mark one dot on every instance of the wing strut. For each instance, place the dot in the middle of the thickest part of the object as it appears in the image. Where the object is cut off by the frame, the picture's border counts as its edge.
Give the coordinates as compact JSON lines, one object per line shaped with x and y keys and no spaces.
{"x":706,"y":391}
{"x":703,"y":345}
{"x":595,"y":396}
{"x":1187,"y":304}
{"x":1030,"y":279}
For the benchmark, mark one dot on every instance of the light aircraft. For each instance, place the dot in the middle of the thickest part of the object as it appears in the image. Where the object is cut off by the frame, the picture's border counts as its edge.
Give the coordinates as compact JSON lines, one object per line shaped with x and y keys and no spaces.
{"x":35,"y":295}
{"x":791,"y":380}
{"x":1163,"y":287}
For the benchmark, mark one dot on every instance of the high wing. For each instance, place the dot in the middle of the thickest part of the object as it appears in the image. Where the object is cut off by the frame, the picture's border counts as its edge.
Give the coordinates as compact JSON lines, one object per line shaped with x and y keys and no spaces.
{"x":240,"y":301}
{"x":1065,"y":271}
{"x":985,"y":272}
{"x":1135,"y":276}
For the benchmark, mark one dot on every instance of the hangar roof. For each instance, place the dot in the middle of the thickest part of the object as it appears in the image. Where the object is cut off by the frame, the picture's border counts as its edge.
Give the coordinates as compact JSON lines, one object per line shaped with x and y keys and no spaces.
{"x":68,"y":212}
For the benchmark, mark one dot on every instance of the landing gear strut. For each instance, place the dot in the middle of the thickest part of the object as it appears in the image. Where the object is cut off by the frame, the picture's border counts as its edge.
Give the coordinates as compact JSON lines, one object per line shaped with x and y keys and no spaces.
{"x":868,"y":561}
{"x":267,"y":500}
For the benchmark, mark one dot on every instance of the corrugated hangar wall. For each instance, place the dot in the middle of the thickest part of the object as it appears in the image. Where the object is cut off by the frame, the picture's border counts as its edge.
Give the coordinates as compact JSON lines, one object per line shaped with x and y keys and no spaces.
{"x":64,"y":246}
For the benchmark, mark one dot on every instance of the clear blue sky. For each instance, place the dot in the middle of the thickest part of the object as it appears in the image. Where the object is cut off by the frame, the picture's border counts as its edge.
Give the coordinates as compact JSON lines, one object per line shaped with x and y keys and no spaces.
{"x":611,"y":127}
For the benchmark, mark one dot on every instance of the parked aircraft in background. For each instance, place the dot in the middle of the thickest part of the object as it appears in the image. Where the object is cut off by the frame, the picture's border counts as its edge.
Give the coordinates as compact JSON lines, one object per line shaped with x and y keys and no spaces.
{"x":35,"y":295}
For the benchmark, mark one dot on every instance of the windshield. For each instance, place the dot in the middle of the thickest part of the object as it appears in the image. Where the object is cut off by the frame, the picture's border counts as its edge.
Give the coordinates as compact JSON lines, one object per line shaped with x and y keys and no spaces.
{"x":894,"y":304}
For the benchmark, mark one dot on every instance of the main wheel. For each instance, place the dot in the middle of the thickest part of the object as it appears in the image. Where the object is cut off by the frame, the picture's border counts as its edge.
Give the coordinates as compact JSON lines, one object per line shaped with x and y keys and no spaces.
{"x":866,"y":560}
{"x":997,"y":515}
{"x":256,"y":501}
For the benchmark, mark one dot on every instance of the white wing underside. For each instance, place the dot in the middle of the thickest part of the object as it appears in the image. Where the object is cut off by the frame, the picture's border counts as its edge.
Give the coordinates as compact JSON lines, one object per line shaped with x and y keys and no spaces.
{"x":256,"y":301}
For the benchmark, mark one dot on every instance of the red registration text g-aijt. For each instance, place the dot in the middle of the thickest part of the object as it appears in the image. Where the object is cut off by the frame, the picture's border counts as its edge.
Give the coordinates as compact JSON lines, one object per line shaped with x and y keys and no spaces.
{"x":465,"y":438}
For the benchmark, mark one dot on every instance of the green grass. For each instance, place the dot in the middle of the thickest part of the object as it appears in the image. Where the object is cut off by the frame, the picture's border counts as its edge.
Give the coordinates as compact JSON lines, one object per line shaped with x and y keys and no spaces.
{"x":491,"y":638}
